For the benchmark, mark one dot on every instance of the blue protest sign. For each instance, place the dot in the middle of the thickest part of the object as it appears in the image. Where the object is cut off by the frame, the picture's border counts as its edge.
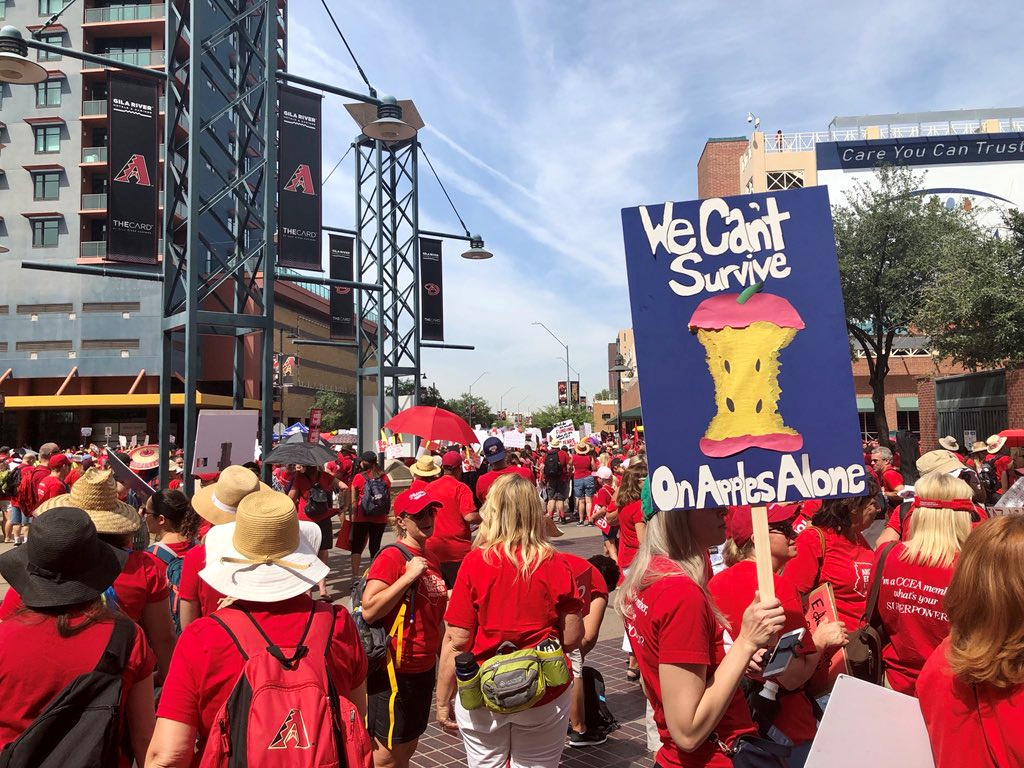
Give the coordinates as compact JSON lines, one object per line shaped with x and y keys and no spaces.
{"x":742,"y":350}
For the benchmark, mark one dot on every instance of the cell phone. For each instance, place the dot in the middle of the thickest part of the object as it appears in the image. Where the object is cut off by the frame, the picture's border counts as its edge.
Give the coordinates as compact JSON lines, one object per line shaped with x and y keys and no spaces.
{"x":783,"y":653}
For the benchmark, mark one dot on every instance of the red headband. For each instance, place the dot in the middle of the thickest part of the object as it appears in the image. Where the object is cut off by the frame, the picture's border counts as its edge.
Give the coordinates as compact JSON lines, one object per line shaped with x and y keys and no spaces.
{"x":958,"y":505}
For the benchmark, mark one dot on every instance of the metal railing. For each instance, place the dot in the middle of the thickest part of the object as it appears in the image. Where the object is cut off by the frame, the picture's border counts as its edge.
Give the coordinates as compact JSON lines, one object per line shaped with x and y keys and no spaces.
{"x":97,"y":249}
{"x":94,"y":202}
{"x":98,"y":107}
{"x":138,"y":58}
{"x":94,"y":154}
{"x":125,"y":13}
{"x":807,"y":140}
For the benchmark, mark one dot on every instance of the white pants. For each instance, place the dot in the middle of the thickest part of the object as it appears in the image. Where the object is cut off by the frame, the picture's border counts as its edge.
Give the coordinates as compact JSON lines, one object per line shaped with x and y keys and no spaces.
{"x":531,"y":739}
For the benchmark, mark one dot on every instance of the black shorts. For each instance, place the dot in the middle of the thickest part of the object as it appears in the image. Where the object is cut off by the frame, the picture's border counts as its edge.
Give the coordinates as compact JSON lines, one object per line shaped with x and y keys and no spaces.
{"x":326,"y":533}
{"x":361,"y":532}
{"x":409,"y":717}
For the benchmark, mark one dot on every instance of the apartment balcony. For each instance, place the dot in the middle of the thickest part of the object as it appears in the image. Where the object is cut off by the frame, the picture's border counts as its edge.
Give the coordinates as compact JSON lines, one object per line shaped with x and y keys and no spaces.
{"x":94,"y":203}
{"x":96,"y":109}
{"x":150,"y":58}
{"x":97,"y":249}
{"x":126,"y":17}
{"x":97,"y":156}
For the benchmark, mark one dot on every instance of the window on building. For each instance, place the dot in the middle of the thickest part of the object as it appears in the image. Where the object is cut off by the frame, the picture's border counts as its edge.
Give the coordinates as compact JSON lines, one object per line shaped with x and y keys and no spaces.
{"x":909,"y":420}
{"x":50,"y":7}
{"x":57,"y":39}
{"x":46,"y":185}
{"x":3,"y":9}
{"x":868,"y":429}
{"x":48,"y":92}
{"x":785,"y":180}
{"x":47,"y":138}
{"x":45,"y":232}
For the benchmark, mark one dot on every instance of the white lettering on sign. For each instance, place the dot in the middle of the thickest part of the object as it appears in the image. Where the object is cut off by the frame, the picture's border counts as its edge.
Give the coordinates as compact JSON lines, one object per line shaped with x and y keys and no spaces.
{"x":790,"y":481}
{"x":721,"y":230}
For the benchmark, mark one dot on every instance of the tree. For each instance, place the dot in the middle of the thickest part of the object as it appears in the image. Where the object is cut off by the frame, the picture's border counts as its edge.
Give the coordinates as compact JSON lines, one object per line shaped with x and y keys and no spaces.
{"x":604,"y":394}
{"x":339,"y":409}
{"x":547,"y":417}
{"x":974,"y":311}
{"x":428,"y":395}
{"x":473,"y":409}
{"x":892,"y":245}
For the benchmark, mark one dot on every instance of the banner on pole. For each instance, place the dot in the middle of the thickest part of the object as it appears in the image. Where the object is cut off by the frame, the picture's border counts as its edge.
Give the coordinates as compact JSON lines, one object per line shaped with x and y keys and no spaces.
{"x":744,"y":293}
{"x":343,"y":298}
{"x":562,"y":393}
{"x":299,"y":203}
{"x":431,"y":290}
{"x":316,"y":415}
{"x":574,"y":392}
{"x":134,"y":151}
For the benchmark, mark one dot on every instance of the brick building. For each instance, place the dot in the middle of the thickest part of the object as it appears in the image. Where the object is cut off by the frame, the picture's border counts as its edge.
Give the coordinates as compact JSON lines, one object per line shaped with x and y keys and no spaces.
{"x":718,"y":170}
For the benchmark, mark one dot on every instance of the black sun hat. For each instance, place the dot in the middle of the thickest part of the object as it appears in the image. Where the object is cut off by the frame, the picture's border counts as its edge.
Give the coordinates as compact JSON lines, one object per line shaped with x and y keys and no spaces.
{"x":63,"y":563}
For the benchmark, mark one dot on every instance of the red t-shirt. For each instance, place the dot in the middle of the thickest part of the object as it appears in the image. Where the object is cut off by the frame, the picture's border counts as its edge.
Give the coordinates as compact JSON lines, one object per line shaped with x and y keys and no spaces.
{"x":481,"y":604}
{"x":485,"y":481}
{"x":41,"y":664}
{"x":910,"y":606}
{"x":673,"y":623}
{"x":452,"y":538}
{"x":193,"y":588}
{"x":341,"y":469}
{"x":206,"y":663}
{"x":891,"y":480}
{"x":301,"y":486}
{"x":73,"y":476}
{"x":582,"y":465}
{"x":50,"y":487}
{"x":1001,"y":463}
{"x":846,"y":565}
{"x":733,"y":591}
{"x":421,"y":641}
{"x":629,"y":542}
{"x":590,"y":584}
{"x":143,"y":580}
{"x":953,"y":714}
{"x":565,"y":462}
{"x":359,"y":483}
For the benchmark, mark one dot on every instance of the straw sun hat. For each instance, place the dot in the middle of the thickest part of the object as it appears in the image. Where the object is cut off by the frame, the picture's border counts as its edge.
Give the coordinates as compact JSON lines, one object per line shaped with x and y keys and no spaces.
{"x":144,"y":458}
{"x":217,"y":502}
{"x":96,"y":493}
{"x":266,"y":554}
{"x":425,"y":466}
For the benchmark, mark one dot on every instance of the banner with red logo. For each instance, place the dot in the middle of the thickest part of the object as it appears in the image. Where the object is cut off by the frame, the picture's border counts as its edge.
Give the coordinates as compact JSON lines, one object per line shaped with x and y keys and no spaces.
{"x":343,"y":299}
{"x":316,"y":415}
{"x":298,"y":179}
{"x":431,"y":291}
{"x":134,"y":145}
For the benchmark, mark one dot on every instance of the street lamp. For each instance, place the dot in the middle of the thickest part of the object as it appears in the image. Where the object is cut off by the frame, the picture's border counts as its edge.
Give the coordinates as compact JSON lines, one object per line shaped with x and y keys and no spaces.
{"x":471,"y":393}
{"x":579,"y":379}
{"x":568,"y":399}
{"x":15,"y":66}
{"x":501,"y":400}
{"x":618,"y":369}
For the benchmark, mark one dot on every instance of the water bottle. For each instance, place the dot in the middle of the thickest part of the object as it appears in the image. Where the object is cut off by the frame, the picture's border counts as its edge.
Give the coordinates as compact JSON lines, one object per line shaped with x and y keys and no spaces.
{"x":556,"y":671}
{"x":467,"y":676}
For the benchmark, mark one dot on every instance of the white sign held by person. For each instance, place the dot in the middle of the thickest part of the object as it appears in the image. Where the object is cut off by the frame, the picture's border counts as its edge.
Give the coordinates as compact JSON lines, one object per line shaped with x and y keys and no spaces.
{"x":514,"y":439}
{"x":224,"y":438}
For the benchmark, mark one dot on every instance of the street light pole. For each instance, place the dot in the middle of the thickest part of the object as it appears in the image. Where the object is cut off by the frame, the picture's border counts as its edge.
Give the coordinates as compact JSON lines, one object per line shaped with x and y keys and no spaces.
{"x":618,"y":369}
{"x":568,"y":389}
{"x":501,"y":400}
{"x":471,"y":395}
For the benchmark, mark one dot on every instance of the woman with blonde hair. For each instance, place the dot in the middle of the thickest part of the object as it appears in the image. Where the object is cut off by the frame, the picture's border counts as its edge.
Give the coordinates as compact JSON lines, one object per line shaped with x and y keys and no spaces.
{"x":632,"y":526}
{"x":678,"y":636}
{"x":971,"y":690}
{"x":916,"y":573}
{"x":513,"y":587}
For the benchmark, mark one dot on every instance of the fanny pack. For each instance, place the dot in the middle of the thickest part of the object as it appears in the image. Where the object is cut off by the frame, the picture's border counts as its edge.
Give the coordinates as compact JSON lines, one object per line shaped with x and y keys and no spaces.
{"x":515,"y":680}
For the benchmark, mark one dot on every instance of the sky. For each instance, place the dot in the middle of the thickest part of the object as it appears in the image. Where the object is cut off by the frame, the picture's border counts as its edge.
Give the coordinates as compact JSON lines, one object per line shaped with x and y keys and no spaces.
{"x":545,"y":118}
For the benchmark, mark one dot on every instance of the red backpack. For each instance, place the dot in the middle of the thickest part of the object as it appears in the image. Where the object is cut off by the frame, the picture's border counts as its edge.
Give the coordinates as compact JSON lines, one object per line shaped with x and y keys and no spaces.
{"x":284,"y":711}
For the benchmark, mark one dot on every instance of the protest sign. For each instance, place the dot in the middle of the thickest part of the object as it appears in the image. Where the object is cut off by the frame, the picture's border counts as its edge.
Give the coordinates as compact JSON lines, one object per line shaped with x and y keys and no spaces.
{"x":562,"y":431}
{"x":397,"y":450}
{"x":821,"y":609}
{"x":514,"y":439}
{"x":129,"y":479}
{"x":874,"y":740}
{"x":743,"y":295}
{"x":224,"y":438}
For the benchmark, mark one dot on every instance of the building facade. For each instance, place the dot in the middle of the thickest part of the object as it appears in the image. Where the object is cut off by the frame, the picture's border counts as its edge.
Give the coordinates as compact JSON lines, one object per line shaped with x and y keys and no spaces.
{"x":82,"y":351}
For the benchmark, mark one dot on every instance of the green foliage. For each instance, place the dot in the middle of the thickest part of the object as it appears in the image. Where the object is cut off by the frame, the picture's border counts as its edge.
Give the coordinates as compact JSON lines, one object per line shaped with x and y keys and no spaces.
{"x":473,"y":409}
{"x":893,"y":245}
{"x":605,"y":394}
{"x":547,"y":417}
{"x":974,"y":311}
{"x":428,"y":395}
{"x":339,"y":409}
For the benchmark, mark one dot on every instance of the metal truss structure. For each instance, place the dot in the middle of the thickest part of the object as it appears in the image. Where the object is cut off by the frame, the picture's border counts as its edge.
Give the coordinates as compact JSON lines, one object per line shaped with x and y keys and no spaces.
{"x":219,"y":192}
{"x":387,"y":252}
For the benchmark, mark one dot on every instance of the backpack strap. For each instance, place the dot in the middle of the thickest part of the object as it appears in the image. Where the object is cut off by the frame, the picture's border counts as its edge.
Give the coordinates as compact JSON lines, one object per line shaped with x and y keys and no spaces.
{"x":162,"y":551}
{"x":821,"y":557}
{"x":115,"y":656}
{"x":904,"y":514}
{"x":247,"y":633}
{"x":876,"y":585}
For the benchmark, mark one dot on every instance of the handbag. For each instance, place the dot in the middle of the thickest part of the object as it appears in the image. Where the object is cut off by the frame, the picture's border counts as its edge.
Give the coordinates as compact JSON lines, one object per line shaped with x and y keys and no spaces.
{"x":754,"y":752}
{"x":345,"y":535}
{"x":864,"y":649}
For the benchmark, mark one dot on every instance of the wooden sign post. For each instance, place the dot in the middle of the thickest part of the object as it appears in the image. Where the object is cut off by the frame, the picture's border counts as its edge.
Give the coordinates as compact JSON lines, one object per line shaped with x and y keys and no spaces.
{"x":763,"y":553}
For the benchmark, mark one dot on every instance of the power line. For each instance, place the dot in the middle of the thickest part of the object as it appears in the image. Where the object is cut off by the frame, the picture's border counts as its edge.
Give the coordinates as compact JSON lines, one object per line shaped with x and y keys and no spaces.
{"x":373,"y":91}
{"x":427,"y":158}
{"x":327,"y":178}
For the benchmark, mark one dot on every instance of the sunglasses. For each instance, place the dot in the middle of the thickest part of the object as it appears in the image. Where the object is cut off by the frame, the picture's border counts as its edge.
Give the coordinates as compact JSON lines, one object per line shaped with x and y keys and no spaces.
{"x":423,"y":514}
{"x":785,"y":528}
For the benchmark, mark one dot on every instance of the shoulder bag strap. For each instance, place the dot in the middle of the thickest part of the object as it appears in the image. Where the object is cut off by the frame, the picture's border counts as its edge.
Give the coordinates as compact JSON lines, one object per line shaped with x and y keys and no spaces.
{"x":984,"y":729}
{"x":115,"y":656}
{"x":876,"y":585}
{"x":821,"y":557}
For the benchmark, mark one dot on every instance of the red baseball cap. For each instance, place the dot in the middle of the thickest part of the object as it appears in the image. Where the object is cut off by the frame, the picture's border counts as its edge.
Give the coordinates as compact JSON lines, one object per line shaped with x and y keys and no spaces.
{"x":451,"y":460}
{"x":413,"y":502}
{"x":59,"y":460}
{"x":740,"y":523}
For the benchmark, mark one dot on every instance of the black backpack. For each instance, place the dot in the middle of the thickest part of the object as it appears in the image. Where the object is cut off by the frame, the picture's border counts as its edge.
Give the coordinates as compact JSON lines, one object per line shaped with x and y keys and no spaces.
{"x":376,"y":500}
{"x":376,"y":638}
{"x":318,"y":504}
{"x":598,"y":717}
{"x":552,"y":466}
{"x":989,"y":480}
{"x":81,"y":727}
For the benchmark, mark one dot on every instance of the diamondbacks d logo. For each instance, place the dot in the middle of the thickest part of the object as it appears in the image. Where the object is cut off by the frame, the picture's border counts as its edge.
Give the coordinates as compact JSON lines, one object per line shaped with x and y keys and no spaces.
{"x":292,"y":734}
{"x":432,"y":289}
{"x":301,"y":181}
{"x":135,"y":170}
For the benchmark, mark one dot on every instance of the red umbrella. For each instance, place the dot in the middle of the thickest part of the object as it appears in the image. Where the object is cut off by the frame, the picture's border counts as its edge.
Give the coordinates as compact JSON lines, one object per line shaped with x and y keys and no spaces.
{"x":432,"y":423}
{"x":1014,"y":437}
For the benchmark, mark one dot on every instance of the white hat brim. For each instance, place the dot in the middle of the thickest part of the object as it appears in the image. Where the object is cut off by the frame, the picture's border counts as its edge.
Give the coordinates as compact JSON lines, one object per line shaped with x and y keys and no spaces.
{"x":266,"y":582}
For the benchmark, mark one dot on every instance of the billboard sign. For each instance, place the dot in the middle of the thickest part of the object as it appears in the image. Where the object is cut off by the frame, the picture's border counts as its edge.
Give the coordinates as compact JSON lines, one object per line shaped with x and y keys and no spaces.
{"x":740,"y":331}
